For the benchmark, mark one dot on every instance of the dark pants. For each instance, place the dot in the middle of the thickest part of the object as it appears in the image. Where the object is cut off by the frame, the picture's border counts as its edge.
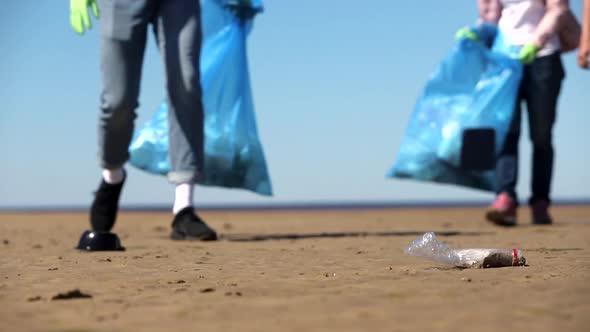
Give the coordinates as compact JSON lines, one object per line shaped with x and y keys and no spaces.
{"x":124,"y":28}
{"x":540,"y":89}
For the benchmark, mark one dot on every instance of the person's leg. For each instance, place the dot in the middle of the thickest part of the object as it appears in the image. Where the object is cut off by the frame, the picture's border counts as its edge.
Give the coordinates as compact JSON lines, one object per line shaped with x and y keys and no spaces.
{"x":123,"y":38}
{"x":504,"y":208}
{"x":507,"y":163}
{"x":542,"y":95}
{"x":178,"y":31}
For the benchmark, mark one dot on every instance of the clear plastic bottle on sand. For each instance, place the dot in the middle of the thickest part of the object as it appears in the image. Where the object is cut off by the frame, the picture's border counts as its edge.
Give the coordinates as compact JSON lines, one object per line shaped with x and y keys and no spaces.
{"x":428,"y":246}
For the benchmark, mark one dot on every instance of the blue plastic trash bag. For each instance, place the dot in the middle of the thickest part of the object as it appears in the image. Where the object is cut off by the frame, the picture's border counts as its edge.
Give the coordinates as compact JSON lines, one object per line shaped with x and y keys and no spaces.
{"x":234,"y":157}
{"x":472,"y":88}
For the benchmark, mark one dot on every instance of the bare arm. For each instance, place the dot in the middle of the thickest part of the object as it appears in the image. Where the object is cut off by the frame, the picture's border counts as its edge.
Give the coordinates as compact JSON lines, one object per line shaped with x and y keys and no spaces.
{"x":584,"y":52}
{"x":549,"y":25}
{"x":586,"y":22}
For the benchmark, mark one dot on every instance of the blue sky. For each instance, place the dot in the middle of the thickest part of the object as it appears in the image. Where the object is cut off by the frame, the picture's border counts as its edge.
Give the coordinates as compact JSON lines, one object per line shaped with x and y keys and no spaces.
{"x":334,"y":85}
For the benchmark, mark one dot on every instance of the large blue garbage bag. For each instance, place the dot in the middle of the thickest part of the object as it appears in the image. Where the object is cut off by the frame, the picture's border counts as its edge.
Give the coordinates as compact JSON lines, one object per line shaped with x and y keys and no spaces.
{"x":234,"y":157}
{"x":473,"y":87}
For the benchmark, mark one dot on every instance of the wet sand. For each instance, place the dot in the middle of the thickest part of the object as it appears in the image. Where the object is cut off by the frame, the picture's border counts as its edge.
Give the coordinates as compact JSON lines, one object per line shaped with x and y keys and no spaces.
{"x":339,"y":270}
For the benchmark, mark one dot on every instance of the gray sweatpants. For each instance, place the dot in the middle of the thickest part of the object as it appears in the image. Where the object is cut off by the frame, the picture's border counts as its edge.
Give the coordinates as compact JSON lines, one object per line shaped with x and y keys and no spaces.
{"x":124,"y":28}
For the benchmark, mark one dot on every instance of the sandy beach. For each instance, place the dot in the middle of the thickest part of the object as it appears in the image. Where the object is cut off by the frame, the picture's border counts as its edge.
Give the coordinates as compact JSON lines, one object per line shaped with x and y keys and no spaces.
{"x":281,"y":270}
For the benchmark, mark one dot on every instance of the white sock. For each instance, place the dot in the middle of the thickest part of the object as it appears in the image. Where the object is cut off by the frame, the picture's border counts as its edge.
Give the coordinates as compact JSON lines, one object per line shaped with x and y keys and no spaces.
{"x":113,"y":176}
{"x":183,"y":197}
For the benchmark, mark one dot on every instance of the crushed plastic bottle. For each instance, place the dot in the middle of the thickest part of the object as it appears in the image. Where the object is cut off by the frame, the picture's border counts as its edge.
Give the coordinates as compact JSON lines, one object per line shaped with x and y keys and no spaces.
{"x":428,"y":246}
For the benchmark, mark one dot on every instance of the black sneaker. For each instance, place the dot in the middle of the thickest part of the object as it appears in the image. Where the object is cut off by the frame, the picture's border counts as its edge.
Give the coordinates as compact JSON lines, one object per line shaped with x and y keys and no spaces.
{"x":103,"y":212}
{"x":188,"y":226}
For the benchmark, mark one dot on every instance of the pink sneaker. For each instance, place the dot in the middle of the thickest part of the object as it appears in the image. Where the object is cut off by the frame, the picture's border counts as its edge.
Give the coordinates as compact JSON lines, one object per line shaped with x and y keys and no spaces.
{"x":503,"y":211}
{"x":540,"y":213}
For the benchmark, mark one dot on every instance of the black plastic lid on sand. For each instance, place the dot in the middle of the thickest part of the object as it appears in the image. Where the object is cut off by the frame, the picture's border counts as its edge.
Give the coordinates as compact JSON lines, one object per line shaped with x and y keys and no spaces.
{"x":99,"y":241}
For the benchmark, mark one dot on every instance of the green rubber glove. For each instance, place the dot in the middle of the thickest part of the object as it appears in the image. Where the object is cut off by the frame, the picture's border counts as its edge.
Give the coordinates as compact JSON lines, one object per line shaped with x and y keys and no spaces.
{"x":528,"y":54}
{"x":466,"y":33}
{"x":79,"y":17}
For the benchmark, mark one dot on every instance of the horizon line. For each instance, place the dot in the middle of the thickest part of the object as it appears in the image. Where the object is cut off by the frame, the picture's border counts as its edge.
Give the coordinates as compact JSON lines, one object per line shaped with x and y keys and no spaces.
{"x":302,"y":205}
